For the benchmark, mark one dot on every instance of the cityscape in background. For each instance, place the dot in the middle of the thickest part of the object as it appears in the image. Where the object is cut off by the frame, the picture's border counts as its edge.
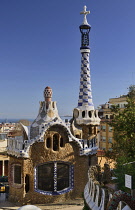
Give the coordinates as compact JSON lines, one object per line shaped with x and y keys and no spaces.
{"x":31,"y":120}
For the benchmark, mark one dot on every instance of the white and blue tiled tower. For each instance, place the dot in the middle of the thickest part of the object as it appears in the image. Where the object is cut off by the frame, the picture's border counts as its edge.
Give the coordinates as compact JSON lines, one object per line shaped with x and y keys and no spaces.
{"x":85,"y":114}
{"x":85,"y":96}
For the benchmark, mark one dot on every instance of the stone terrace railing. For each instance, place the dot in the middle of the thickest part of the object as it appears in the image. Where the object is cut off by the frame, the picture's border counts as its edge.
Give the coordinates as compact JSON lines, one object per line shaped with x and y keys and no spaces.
{"x":15,"y":146}
{"x":19,"y":147}
{"x":96,"y":199}
{"x":15,"y":143}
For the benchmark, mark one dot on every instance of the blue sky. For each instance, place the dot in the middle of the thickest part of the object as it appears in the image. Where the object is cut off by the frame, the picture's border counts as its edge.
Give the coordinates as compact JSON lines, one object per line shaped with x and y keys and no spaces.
{"x":40,"y":46}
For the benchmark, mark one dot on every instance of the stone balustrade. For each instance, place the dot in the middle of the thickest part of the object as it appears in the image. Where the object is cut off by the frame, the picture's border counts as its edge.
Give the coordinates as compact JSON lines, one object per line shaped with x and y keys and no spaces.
{"x":15,"y":146}
{"x":19,"y":147}
{"x":15,"y":143}
{"x":96,"y":197}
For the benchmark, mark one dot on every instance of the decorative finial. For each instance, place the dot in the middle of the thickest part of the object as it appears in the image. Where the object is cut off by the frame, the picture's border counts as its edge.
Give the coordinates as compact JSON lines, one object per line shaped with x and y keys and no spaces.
{"x":48,"y":94}
{"x":84,"y":12}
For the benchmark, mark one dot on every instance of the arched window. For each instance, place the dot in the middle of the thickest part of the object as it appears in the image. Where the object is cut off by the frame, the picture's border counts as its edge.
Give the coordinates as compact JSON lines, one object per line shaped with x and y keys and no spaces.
{"x":48,"y":142}
{"x":83,"y":114}
{"x":17,"y":174}
{"x":54,"y":178}
{"x":76,"y":113}
{"x":61,"y":142}
{"x":55,"y":142}
{"x":89,"y":114}
{"x":27,"y":183}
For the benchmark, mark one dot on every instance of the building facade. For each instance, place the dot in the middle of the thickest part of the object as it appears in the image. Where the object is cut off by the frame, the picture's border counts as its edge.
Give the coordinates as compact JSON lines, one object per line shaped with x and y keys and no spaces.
{"x":4,"y":133}
{"x":50,"y":160}
{"x":106,"y":131}
{"x":7,"y":130}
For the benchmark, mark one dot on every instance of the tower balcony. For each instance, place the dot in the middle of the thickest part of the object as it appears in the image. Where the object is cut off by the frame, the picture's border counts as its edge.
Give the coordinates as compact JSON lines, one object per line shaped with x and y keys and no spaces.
{"x":86,"y":117}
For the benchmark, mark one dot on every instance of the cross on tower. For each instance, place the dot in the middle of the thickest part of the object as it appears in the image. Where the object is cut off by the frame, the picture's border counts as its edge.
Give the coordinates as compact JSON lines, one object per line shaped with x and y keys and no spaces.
{"x":84,"y":12}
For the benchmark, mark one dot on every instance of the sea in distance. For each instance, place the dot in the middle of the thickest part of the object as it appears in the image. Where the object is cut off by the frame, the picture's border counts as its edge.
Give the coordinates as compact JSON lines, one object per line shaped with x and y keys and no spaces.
{"x":31,"y":120}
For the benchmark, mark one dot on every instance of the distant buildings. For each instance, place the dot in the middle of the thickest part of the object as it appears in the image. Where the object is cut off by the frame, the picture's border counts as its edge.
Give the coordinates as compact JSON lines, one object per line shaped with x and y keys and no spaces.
{"x":5,"y":129}
{"x":105,"y":114}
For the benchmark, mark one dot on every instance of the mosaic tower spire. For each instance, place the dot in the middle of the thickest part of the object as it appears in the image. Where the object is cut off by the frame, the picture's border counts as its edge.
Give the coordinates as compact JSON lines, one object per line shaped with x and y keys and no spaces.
{"x":85,"y":113}
{"x":85,"y":94}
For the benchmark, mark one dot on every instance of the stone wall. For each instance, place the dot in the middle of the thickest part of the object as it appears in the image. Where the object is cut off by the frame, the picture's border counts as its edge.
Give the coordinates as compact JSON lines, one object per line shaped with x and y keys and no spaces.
{"x":39,"y":154}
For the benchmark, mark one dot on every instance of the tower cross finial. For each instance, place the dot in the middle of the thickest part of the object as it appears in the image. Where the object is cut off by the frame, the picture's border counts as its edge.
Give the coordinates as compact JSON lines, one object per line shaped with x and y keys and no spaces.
{"x":84,"y":12}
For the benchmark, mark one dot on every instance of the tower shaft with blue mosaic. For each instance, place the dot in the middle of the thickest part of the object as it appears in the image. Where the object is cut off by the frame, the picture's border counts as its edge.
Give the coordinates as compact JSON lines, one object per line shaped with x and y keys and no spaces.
{"x":85,"y":94}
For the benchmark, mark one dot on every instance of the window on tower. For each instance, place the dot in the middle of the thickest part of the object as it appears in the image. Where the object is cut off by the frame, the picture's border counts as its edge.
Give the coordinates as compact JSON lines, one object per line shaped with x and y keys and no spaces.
{"x":83,"y":114}
{"x":90,"y":115}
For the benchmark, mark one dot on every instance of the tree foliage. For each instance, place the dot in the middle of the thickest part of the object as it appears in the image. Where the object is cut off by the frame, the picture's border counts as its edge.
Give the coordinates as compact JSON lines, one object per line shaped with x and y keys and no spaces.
{"x":131,"y":91}
{"x":123,"y":151}
{"x":124,"y":130}
{"x":124,"y":166}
